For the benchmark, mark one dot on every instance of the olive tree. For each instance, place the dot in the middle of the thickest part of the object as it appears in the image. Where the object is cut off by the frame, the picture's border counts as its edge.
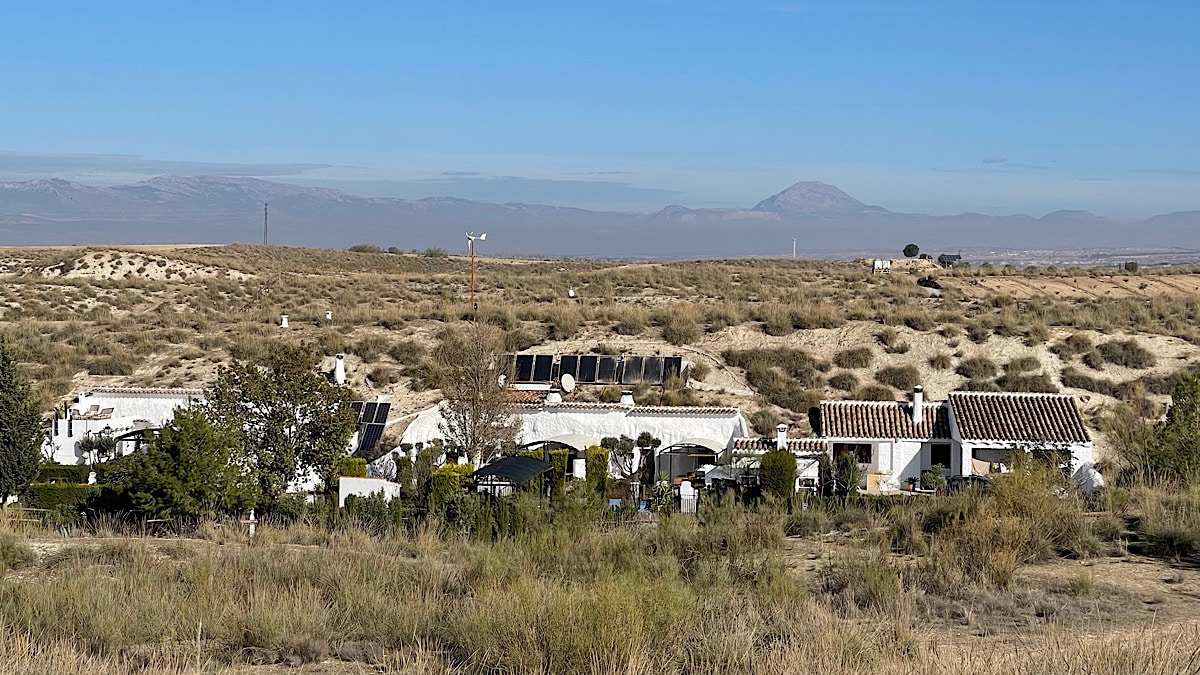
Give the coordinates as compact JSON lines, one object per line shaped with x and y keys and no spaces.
{"x":287,"y":418}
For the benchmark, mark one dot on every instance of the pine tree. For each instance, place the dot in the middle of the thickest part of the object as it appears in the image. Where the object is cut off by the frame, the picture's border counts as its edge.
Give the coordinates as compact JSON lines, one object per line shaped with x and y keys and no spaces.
{"x":20,"y":427}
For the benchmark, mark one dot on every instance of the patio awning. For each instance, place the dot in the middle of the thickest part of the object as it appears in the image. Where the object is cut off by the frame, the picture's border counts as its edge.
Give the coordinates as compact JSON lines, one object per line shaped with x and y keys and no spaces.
{"x":516,"y":469}
{"x":574,"y":441}
{"x":695,"y":446}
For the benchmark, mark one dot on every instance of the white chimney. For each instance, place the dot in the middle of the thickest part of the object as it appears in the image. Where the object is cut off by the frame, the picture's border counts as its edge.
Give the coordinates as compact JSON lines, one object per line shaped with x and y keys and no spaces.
{"x":918,"y":404}
{"x":554,"y":396}
{"x":329,"y":315}
{"x":781,"y":438}
{"x":283,"y":321}
{"x":339,"y":369}
{"x":627,"y":398}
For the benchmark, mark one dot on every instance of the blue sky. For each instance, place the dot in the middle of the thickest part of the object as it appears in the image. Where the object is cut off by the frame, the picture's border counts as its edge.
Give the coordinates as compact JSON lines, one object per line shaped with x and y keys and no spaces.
{"x":938,"y":107}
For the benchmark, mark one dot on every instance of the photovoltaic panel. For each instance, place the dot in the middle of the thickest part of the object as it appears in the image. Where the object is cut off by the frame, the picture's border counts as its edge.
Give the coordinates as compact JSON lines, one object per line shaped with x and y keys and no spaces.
{"x":369,"y":437}
{"x":652,"y":370}
{"x":631,"y":373}
{"x":569,"y":365}
{"x":356,"y":406}
{"x":542,"y":366}
{"x":587,"y":369}
{"x":672,"y":366}
{"x":606,"y":370}
{"x":381,"y":413}
{"x":368,"y":413}
{"x":524,"y":368}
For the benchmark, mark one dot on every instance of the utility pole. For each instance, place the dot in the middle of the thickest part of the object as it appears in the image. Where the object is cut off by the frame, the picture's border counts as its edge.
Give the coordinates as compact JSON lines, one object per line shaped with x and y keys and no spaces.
{"x":793,"y":248}
{"x":264,"y":223}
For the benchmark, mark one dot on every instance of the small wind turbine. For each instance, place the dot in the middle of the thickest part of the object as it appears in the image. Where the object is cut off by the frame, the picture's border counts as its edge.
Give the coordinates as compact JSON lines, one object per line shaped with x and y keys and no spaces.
{"x":471,"y":240}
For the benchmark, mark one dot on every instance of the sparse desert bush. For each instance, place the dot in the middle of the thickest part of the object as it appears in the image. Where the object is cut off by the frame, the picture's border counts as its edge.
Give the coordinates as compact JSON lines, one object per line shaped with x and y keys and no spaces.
{"x":899,"y":377}
{"x":1026,"y":382}
{"x":874,"y":392}
{"x":844,"y":380}
{"x":979,"y":332}
{"x":365,"y":248}
{"x":940,"y":361}
{"x":855,"y":357}
{"x":763,"y":422}
{"x":977,"y":368}
{"x":1127,"y":353}
{"x":1023,"y":364}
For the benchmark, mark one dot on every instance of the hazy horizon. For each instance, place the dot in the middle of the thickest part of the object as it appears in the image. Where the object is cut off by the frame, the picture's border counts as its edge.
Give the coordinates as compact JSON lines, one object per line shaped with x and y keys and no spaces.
{"x":930,"y":107}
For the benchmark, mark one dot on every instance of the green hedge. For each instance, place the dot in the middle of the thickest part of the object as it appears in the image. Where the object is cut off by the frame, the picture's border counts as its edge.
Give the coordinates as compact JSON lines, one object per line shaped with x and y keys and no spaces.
{"x":63,"y":473}
{"x":51,"y":496}
{"x":447,"y":480}
{"x":352,"y":467}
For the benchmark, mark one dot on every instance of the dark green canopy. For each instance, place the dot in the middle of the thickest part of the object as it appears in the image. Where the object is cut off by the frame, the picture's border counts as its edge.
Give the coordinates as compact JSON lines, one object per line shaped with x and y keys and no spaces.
{"x":516,"y":469}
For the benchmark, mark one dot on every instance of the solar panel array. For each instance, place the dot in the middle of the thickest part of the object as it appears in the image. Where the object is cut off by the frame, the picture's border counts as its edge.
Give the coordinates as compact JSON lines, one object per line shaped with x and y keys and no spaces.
{"x":371,"y":417}
{"x":593,"y":369}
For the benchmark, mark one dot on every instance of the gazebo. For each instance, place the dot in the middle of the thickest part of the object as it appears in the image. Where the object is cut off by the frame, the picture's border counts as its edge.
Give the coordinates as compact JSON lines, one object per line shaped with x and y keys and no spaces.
{"x":503,"y":475}
{"x":694,"y":453}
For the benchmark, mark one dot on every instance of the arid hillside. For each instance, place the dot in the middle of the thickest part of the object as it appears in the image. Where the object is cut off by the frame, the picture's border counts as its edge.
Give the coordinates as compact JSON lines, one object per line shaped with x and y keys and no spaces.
{"x":772,"y":336}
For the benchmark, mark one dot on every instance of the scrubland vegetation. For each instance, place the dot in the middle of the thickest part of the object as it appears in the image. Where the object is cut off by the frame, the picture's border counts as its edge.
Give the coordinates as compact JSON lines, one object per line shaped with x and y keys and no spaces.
{"x":852,"y":585}
{"x":1023,"y":577}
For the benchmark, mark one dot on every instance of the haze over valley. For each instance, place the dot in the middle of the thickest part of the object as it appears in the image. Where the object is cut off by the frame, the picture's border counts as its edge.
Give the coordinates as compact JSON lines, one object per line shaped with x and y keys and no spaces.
{"x":825,"y":220}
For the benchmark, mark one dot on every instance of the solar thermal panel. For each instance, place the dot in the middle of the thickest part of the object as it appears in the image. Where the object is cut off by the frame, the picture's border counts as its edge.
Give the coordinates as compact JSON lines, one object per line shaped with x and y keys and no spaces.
{"x":606,"y":370}
{"x":543,"y":365}
{"x":631,"y":371}
{"x":568,"y":365}
{"x":652,"y":370}
{"x":587,"y":369}
{"x":524,"y":368}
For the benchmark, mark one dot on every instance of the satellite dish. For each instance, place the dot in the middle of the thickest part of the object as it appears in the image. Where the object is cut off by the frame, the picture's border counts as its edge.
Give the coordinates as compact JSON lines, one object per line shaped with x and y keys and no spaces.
{"x":567,"y":382}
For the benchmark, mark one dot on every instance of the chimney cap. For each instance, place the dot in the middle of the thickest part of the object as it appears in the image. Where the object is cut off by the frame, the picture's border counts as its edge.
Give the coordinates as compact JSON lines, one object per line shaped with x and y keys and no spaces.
{"x":918,"y":388}
{"x":781,"y":427}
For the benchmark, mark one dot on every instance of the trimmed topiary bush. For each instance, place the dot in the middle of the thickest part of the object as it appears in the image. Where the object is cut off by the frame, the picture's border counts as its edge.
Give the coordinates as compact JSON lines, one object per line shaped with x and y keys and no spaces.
{"x":597,"y":469}
{"x":63,"y":473}
{"x":446,"y":481}
{"x":777,"y":474}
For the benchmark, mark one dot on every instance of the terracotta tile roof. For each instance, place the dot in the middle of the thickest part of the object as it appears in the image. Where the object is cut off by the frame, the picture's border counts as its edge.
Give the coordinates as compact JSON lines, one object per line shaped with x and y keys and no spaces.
{"x":147,"y":390}
{"x":989,"y":416}
{"x":526,"y":396}
{"x":882,"y":419}
{"x":795,"y":445}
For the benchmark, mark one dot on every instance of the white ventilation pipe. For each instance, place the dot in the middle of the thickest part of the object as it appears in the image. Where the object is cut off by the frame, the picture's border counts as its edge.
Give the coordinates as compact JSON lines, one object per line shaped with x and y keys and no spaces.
{"x":283,"y":321}
{"x":627,"y":398}
{"x":554,"y":396}
{"x":781,"y":438}
{"x":329,"y":315}
{"x":339,"y":369}
{"x":918,"y":404}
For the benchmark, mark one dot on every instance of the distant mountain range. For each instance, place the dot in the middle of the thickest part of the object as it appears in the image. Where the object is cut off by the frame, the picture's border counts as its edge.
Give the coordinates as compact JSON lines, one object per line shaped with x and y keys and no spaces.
{"x":824,"y":220}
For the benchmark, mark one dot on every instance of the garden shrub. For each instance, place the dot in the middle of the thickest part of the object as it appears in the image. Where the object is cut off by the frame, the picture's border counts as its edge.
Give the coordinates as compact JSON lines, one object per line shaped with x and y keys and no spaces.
{"x":597,"y":469}
{"x":446,"y":481}
{"x":63,"y":473}
{"x":352,"y":467}
{"x":56,"y":496}
{"x":777,"y":473}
